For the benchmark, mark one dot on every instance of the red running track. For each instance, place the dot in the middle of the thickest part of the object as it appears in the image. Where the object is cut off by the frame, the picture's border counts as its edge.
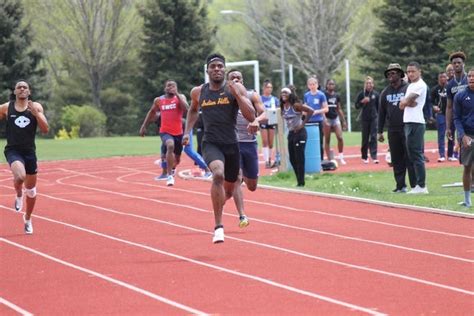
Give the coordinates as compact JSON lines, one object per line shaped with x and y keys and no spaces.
{"x":110,"y":240}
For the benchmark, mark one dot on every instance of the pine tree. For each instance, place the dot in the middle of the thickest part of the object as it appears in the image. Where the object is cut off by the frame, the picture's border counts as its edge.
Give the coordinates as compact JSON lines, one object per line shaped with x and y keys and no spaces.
{"x":17,"y":59}
{"x":177,"y":39}
{"x":410,"y":31}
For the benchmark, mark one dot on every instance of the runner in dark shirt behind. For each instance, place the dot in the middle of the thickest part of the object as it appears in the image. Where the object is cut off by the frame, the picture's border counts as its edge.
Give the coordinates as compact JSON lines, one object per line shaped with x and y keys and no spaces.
{"x":219,"y":101}
{"x":23,"y":117}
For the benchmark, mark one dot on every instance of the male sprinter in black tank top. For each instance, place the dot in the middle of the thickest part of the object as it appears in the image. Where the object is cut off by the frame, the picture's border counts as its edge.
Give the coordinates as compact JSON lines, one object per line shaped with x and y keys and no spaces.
{"x":23,"y":117}
{"x":219,"y":101}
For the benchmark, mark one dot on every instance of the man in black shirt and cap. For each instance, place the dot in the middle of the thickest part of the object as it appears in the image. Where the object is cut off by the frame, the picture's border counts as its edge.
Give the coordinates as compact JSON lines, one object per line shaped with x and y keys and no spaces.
{"x":390,"y":112}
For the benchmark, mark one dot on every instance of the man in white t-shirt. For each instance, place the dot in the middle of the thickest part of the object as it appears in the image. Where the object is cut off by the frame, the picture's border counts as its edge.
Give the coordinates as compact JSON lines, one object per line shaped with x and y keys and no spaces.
{"x":414,"y":124}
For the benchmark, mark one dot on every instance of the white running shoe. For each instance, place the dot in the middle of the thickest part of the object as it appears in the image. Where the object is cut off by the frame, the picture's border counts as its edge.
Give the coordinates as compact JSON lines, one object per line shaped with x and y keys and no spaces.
{"x":452,"y":159}
{"x":28,"y":226}
{"x":376,"y":161}
{"x":170,"y":181}
{"x":341,"y":159}
{"x":365,"y":161}
{"x":218,"y":235}
{"x":418,"y":190}
{"x":18,"y":203}
{"x":441,"y":159}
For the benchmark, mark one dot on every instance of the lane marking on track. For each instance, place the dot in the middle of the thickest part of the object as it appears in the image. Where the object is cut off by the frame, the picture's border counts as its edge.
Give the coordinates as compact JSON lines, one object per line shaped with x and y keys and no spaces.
{"x":81,"y":173}
{"x":183,"y":258}
{"x":390,"y":245}
{"x":264,"y":245}
{"x":120,"y":179}
{"x":16,"y":308}
{"x":107,"y":278}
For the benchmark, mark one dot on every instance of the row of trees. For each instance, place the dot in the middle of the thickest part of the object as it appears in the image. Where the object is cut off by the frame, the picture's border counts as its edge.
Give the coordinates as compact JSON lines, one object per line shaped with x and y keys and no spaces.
{"x":114,"y":55}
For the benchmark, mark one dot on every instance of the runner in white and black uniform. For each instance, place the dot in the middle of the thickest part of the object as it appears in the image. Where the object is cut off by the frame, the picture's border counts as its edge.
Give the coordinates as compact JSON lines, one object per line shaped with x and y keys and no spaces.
{"x":23,"y":117}
{"x":219,"y":101}
{"x":248,"y":148}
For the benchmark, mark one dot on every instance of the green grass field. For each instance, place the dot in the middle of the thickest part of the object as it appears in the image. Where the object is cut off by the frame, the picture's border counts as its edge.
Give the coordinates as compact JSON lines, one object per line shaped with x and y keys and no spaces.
{"x":372,"y":185}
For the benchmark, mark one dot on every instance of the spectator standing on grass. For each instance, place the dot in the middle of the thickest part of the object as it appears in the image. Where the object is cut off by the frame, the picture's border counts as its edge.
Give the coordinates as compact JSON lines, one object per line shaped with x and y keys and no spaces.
{"x":292,"y":112}
{"x":368,"y":101}
{"x":457,"y":84}
{"x":316,"y":100}
{"x":335,"y":121}
{"x":390,"y":113}
{"x":414,"y":124}
{"x":439,"y":101}
{"x":23,"y":117}
{"x":267,"y":131}
{"x":450,"y":72}
{"x":464,"y":122}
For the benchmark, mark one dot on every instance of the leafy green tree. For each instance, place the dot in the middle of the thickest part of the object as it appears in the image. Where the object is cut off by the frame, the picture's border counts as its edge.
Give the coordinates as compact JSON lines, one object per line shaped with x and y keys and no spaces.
{"x":17,"y":59}
{"x":88,"y":119}
{"x":460,"y":36}
{"x":95,"y":36}
{"x":410,"y":31}
{"x":177,"y":38}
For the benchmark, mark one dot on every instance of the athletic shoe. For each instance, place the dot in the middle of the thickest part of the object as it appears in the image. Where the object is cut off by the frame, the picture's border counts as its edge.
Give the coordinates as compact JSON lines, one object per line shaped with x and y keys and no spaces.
{"x":218,"y":235}
{"x":441,"y":159}
{"x":170,"y":181}
{"x":376,"y":161}
{"x":157,"y":162}
{"x":366,"y":161}
{"x":161,"y":177}
{"x":243,"y":221}
{"x":28,"y":226}
{"x":463,"y":203}
{"x":18,"y":203}
{"x":341,"y":159}
{"x":453,"y":159}
{"x":402,"y":190}
{"x":418,"y":190}
{"x":207,"y":175}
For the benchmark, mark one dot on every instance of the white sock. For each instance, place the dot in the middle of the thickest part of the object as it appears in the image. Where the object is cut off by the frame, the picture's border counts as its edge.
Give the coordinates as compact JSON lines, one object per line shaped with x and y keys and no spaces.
{"x":265,"y":151}
{"x":341,"y":156}
{"x":467,"y":197}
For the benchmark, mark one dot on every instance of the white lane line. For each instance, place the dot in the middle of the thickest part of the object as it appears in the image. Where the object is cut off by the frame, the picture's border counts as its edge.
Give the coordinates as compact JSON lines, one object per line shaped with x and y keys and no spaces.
{"x":289,"y":208}
{"x":274,"y":223}
{"x":107,"y":278}
{"x":255,"y":243}
{"x":81,"y":173}
{"x":16,"y":308}
{"x":197,"y":262}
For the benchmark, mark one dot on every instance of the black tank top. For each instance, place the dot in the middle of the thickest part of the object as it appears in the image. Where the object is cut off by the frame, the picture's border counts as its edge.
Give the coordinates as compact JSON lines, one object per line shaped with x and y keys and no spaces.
{"x":219,"y":112}
{"x":21,"y":129}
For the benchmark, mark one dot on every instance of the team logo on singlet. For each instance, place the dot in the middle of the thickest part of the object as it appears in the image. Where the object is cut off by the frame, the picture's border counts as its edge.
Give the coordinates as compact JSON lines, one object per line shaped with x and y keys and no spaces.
{"x":22,"y":121}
